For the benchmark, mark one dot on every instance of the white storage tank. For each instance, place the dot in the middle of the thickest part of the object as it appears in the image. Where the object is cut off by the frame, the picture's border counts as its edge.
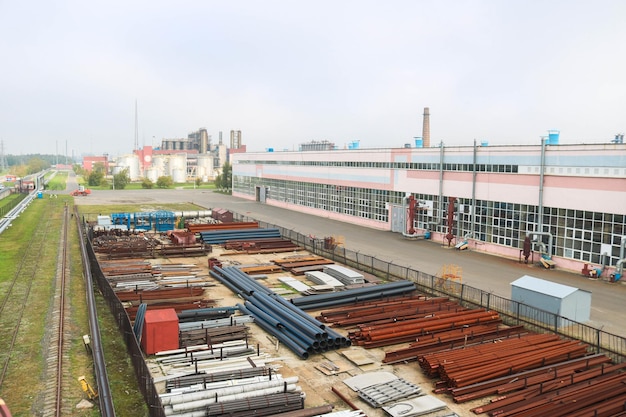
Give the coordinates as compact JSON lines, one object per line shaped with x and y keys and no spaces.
{"x":204,"y":168}
{"x":179,"y":175}
{"x":177,"y":163}
{"x":152,"y":174}
{"x":130,"y":162}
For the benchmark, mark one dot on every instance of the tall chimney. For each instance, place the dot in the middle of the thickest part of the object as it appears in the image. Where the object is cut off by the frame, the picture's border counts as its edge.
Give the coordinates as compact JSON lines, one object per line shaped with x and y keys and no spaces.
{"x":426,"y":128}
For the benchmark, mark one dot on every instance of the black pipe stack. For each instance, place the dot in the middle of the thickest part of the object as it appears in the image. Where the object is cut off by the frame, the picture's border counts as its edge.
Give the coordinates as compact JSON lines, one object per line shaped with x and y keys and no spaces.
{"x":301,"y":333}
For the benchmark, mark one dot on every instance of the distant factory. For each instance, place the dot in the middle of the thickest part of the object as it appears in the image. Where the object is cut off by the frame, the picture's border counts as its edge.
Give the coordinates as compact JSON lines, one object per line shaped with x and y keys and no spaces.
{"x":182,"y":159}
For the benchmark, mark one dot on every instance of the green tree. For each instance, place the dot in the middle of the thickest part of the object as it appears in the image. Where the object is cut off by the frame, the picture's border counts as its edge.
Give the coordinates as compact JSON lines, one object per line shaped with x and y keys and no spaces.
{"x":165,"y":182}
{"x":121,"y":179}
{"x":36,"y":164}
{"x":147,"y":183}
{"x":97,"y":175}
{"x":226,"y":176}
{"x":95,"y":178}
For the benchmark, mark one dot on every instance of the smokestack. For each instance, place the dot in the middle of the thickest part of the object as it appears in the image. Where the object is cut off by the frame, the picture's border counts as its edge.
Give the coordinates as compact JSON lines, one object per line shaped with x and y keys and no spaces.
{"x":426,"y":128}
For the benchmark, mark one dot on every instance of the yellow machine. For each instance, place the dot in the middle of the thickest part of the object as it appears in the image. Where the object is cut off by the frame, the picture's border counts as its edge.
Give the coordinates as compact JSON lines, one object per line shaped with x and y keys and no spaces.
{"x":91,"y":393}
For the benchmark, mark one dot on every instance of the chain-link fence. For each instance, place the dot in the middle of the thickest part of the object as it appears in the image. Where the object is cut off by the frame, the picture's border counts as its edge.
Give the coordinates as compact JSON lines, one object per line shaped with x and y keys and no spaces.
{"x":511,"y":312}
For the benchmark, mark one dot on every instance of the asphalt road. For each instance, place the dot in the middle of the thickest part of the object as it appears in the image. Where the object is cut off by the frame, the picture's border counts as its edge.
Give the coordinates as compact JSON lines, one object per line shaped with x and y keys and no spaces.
{"x":486,"y":272}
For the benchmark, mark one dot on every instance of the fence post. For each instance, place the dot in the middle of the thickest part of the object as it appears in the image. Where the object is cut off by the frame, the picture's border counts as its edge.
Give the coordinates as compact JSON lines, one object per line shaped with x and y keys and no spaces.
{"x":598,"y":340}
{"x":488,"y":301}
{"x":462,"y":291}
{"x":556,"y":324}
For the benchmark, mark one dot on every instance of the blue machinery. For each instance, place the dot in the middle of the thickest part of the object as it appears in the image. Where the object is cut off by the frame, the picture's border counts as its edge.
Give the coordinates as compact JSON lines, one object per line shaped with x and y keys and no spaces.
{"x":160,"y":221}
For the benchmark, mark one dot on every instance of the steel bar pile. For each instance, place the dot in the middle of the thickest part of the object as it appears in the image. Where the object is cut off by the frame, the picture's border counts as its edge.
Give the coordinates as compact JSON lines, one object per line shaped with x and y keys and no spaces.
{"x":261,"y":269}
{"x":125,"y":247}
{"x":160,"y":294}
{"x":259,"y":396}
{"x":300,"y":264}
{"x":355,"y":295}
{"x":452,"y":339}
{"x":203,"y":379}
{"x":213,"y":335}
{"x":409,"y":330}
{"x":178,"y":306}
{"x":598,"y":392}
{"x":301,"y":333}
{"x":204,"y":227}
{"x":219,"y":237}
{"x":388,"y":311}
{"x":474,"y":364}
{"x":269,"y":245}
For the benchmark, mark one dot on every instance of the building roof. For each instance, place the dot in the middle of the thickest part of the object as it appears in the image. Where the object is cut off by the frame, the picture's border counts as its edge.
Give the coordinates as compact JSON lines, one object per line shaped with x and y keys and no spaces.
{"x":545,"y":287}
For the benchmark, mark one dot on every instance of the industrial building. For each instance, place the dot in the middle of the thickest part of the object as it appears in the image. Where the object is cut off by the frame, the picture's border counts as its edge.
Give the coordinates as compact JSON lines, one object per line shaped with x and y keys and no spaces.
{"x":567,"y":202}
{"x":182,"y":159}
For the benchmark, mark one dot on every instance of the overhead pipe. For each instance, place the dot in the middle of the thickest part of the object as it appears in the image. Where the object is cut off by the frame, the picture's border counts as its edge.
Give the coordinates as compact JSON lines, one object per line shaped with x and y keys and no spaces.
{"x":550,"y":237}
{"x":409,"y":211}
{"x":542,"y":169}
{"x":440,"y":208}
{"x":473,"y":223}
{"x":619,"y":267}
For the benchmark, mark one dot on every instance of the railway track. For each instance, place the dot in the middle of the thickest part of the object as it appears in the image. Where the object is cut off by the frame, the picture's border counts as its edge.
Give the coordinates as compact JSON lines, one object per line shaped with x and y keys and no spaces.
{"x":58,"y":345}
{"x":15,"y":315}
{"x":14,"y":304}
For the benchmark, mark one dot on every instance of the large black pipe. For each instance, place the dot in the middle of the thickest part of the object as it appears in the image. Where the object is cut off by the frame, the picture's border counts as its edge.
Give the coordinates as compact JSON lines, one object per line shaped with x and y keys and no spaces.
{"x":284,"y":315}
{"x":105,"y":399}
{"x":293,"y":346}
{"x":406,"y":286}
{"x":354,"y":299}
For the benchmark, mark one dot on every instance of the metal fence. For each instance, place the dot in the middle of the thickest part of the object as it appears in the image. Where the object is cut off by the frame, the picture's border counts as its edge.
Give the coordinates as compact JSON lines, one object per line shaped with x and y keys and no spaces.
{"x":142,"y":372}
{"x":511,"y":312}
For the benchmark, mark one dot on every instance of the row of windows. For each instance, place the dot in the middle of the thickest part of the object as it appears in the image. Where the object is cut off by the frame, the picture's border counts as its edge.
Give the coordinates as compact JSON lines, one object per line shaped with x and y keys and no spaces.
{"x":422,"y":166}
{"x":576,"y":234}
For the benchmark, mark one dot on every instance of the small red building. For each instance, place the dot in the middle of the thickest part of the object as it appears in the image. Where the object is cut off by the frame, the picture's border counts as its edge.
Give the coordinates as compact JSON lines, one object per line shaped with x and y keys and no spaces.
{"x":160,"y":331}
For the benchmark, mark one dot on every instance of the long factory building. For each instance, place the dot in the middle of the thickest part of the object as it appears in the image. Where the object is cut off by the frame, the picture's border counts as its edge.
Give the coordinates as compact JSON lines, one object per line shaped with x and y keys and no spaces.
{"x":569,"y":200}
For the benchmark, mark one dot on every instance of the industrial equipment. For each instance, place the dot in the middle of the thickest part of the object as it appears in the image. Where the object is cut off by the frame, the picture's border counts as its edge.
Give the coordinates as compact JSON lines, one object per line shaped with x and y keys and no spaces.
{"x":91,"y":393}
{"x":81,"y":191}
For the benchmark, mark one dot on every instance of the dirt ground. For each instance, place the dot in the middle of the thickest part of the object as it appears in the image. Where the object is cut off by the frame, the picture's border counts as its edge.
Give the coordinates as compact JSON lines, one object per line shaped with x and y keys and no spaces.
{"x":315,"y":378}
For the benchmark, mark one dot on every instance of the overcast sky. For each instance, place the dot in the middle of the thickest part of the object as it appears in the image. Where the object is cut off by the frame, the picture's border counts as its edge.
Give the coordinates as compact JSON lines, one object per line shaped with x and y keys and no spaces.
{"x":288,"y":72}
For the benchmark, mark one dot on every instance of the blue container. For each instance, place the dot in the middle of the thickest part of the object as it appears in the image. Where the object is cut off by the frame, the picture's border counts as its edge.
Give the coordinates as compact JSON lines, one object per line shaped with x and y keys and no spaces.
{"x":39,"y":194}
{"x":419,"y":142}
{"x":553,"y":137}
{"x":484,"y":143}
{"x":270,"y":149}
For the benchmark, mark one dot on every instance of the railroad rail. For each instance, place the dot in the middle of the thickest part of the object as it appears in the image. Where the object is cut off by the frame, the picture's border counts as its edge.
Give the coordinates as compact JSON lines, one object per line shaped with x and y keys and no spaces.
{"x":59,"y":346}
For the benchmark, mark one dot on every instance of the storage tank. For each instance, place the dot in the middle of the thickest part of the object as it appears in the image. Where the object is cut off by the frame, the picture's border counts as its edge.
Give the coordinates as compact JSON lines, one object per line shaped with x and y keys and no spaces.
{"x":553,"y":137}
{"x":152,"y":174}
{"x":419,"y":142}
{"x":204,"y":169}
{"x":130,"y":162}
{"x":179,"y":175}
{"x":177,"y":163}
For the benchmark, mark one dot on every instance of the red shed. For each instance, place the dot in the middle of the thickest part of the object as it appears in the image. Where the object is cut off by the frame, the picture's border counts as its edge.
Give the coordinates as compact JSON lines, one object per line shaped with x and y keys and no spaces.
{"x":160,"y":331}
